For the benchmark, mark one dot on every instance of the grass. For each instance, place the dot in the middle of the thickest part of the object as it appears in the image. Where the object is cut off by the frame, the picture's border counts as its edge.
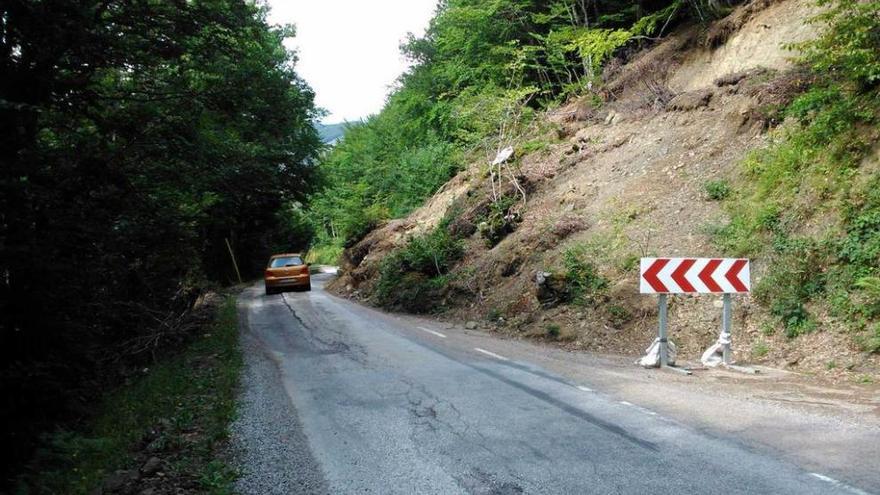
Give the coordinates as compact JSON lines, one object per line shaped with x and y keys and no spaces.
{"x":183,"y":406}
{"x":760,"y":349}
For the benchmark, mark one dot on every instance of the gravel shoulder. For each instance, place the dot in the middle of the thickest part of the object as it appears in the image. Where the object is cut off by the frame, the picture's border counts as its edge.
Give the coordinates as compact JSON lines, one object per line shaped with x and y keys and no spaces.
{"x":269,"y":444}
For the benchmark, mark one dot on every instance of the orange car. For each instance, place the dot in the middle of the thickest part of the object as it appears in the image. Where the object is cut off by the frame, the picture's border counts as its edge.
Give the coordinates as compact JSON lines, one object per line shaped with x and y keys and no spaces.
{"x":287,"y":271}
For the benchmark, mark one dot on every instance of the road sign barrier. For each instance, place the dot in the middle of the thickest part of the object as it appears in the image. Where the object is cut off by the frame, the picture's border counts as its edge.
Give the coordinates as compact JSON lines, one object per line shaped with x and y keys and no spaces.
{"x":665,"y":276}
{"x":694,"y":276}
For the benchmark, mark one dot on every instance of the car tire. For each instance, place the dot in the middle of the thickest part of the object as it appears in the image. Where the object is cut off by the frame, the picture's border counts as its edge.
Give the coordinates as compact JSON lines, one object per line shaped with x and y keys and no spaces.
{"x":308,"y":287}
{"x":270,"y":292}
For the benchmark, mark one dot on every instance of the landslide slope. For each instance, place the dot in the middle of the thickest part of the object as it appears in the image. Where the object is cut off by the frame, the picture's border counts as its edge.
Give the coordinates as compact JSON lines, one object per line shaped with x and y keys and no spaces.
{"x":636,"y":175}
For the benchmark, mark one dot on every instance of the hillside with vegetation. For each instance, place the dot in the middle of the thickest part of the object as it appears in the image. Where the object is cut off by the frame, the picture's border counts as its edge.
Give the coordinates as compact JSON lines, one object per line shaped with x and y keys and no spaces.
{"x":666,"y":128}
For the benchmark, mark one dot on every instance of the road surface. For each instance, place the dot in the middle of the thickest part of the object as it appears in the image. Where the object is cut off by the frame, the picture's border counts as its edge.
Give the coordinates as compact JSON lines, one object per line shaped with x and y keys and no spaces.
{"x":340,"y":398}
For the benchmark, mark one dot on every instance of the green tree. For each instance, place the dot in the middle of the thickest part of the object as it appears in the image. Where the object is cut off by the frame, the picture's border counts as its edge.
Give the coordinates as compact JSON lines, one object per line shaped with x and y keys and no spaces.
{"x":135,"y":138}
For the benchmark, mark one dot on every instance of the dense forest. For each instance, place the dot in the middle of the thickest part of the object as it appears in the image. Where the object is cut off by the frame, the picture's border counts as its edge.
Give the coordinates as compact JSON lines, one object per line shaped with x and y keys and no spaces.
{"x":141,"y":143}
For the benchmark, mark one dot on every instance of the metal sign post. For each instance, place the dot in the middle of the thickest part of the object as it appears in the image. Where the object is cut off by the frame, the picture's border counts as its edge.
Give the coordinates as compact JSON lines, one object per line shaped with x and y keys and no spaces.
{"x":664,"y":276}
{"x":663,"y":338}
{"x":725,"y":329}
{"x":662,"y":334}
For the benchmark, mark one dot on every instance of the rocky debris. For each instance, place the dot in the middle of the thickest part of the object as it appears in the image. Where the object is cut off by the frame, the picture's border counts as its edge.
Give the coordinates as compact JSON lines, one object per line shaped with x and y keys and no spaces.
{"x":471,"y":325}
{"x":691,"y":100}
{"x":119,"y":479}
{"x":551,"y":289}
{"x":153,"y":465}
{"x":731,"y":79}
{"x":613,"y":118}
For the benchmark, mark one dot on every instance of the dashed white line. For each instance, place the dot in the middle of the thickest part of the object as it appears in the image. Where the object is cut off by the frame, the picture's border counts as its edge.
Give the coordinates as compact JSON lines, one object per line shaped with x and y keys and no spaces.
{"x":431,"y":332}
{"x":625,"y":403}
{"x":839,"y":484}
{"x":583,"y":388}
{"x":488,"y":353}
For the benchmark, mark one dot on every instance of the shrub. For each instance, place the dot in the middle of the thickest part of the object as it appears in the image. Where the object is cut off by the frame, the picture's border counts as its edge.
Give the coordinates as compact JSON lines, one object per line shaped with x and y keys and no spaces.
{"x":585,"y":283}
{"x":414,"y":275}
{"x":871,"y":343}
{"x":794,"y":279}
{"x":499,"y":222}
{"x":619,"y":315}
{"x":717,"y":190}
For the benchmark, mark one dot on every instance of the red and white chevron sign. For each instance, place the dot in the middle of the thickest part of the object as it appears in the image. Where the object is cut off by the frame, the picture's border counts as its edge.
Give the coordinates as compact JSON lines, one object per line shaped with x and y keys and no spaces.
{"x":694,"y":275}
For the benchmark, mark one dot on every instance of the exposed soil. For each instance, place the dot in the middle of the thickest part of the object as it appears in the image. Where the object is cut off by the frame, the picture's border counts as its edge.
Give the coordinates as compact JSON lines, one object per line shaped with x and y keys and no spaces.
{"x":628,"y":180}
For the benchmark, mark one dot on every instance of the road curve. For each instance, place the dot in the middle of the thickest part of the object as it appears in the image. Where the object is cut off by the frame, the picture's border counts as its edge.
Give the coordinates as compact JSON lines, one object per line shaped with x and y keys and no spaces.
{"x":351,"y":400}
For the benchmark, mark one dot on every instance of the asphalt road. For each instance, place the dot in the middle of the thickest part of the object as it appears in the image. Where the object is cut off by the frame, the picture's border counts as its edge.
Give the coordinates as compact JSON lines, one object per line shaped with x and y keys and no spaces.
{"x":346,"y":399}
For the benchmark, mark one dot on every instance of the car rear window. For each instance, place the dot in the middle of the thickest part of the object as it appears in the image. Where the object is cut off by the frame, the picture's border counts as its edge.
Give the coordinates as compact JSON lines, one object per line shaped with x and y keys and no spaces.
{"x":286,"y":261}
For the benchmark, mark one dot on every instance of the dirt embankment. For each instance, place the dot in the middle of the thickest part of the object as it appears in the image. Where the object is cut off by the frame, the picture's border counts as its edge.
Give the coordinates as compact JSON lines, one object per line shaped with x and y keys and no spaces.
{"x":625,"y":180}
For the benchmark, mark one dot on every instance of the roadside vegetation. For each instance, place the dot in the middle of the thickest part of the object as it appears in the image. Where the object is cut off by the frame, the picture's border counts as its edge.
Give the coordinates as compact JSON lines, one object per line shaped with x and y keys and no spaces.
{"x":417,"y":276}
{"x":141,"y":143}
{"x":165,"y":428}
{"x":821,"y":168}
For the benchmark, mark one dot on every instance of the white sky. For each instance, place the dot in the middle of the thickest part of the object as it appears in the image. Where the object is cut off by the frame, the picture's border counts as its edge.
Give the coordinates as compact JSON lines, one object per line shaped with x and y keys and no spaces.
{"x":349,"y":49}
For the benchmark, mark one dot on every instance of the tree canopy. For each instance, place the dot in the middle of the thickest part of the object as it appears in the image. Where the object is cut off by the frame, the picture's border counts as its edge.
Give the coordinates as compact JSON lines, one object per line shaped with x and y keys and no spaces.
{"x":136,"y":139}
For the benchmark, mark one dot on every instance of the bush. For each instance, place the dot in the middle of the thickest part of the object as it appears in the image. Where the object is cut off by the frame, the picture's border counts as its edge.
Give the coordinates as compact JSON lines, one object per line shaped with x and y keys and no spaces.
{"x":414,"y":276}
{"x":795,"y":277}
{"x":619,"y":315}
{"x":871,"y":343}
{"x":585,"y":283}
{"x":499,"y":222}
{"x":760,"y":349}
{"x":717,"y":190}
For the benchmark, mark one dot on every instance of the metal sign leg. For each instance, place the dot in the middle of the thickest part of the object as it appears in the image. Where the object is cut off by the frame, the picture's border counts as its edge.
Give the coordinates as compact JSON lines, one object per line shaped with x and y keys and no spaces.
{"x":664,"y":356}
{"x":663,"y":335}
{"x":725,"y":330}
{"x":727,"y":336}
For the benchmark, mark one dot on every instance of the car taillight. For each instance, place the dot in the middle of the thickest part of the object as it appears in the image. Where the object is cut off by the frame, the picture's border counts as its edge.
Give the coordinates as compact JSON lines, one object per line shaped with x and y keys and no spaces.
{"x":268,"y":273}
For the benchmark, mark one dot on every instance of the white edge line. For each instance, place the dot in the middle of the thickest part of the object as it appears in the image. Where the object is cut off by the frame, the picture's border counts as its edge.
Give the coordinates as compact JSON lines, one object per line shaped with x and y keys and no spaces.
{"x":496,"y":356}
{"x":583,"y":388}
{"x":431,"y":332}
{"x":839,"y":484}
{"x":642,"y":409}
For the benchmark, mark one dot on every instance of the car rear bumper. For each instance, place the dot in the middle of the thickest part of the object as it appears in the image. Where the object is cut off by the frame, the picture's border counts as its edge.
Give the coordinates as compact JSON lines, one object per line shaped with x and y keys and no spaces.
{"x":293,"y":281}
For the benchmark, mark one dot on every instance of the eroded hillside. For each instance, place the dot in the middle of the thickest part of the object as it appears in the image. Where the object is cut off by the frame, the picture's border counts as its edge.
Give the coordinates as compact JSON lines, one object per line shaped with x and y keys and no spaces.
{"x":597,"y":186}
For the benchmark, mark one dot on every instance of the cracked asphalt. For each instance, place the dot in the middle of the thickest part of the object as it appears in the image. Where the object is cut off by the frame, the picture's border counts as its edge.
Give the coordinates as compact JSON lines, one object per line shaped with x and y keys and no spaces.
{"x":339,"y":398}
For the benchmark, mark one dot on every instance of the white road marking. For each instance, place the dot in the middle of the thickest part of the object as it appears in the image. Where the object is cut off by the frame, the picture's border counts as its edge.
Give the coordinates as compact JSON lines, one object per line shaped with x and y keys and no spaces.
{"x":431,"y":332}
{"x":496,"y":356}
{"x":585,"y":389}
{"x":642,"y":409}
{"x":839,"y":484}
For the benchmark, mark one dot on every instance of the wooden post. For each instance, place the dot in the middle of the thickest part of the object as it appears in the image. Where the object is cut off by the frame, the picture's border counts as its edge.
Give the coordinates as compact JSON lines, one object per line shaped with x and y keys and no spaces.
{"x":232,"y":255}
